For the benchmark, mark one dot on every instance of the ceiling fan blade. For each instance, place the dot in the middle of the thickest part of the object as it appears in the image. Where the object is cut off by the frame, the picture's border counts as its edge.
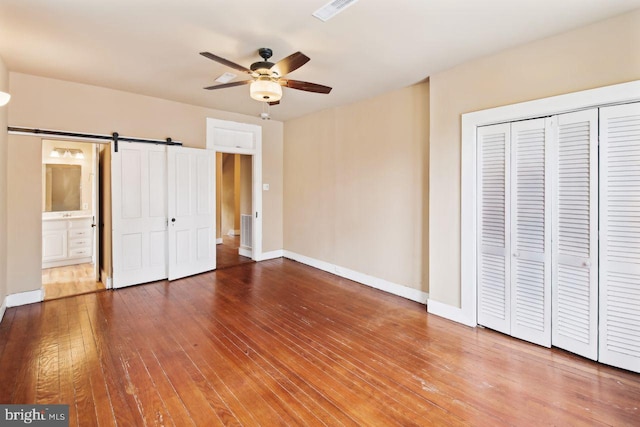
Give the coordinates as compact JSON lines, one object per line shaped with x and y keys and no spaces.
{"x":274,"y":103}
{"x":309,"y":87}
{"x":290,"y":63}
{"x":226,"y":62}
{"x":226,"y":85}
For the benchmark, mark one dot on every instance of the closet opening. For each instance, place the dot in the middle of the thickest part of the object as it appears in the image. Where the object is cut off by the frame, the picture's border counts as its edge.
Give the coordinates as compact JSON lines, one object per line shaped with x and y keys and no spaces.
{"x":549,"y":211}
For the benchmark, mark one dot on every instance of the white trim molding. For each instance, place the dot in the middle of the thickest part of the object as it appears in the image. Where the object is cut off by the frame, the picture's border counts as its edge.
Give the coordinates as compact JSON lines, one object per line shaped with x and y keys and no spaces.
{"x":105,"y":279}
{"x":371,"y":281}
{"x":3,"y":309}
{"x":24,"y":298}
{"x":449,"y":312}
{"x":592,"y":98}
{"x":245,"y":252}
{"x":271,"y":255}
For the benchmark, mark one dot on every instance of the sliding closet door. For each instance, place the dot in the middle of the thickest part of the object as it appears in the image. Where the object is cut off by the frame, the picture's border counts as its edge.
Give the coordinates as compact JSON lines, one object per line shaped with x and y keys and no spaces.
{"x":493,"y":225}
{"x":620,"y":236}
{"x":530,"y":231}
{"x":139,"y":213}
{"x":575,"y":233}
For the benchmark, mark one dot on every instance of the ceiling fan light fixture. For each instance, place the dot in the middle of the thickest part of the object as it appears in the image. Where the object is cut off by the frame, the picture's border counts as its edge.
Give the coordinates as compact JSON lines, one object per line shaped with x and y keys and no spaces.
{"x":265,"y":91}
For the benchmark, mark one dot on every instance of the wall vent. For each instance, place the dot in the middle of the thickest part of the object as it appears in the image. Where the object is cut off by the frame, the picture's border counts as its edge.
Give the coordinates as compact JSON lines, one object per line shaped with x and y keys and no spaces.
{"x":331,"y":9}
{"x":246,"y":232}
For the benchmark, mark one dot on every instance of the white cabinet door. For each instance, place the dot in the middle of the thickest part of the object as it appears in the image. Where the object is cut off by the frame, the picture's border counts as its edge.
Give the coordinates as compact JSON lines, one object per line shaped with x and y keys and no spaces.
{"x":139,"y":207}
{"x":191,"y":208}
{"x":494,"y":296}
{"x":54,"y":245}
{"x":620,"y":236}
{"x":530,"y":231}
{"x":575,"y":233}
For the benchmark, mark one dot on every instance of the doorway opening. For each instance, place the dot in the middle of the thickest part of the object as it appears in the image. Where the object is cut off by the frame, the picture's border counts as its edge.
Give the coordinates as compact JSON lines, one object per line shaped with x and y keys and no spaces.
{"x":70,"y":218}
{"x":233,"y":209}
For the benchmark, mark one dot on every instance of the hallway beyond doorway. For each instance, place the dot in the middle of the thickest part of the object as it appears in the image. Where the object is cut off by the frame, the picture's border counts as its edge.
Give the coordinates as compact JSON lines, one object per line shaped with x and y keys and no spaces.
{"x":227,"y":253}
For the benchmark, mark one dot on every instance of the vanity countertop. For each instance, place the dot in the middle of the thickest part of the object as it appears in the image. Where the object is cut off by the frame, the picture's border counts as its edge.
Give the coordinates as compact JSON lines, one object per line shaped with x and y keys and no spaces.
{"x":68,"y":217}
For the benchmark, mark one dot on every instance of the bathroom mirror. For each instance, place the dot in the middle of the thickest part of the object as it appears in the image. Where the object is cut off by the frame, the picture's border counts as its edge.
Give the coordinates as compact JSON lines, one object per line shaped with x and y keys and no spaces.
{"x":62,"y":187}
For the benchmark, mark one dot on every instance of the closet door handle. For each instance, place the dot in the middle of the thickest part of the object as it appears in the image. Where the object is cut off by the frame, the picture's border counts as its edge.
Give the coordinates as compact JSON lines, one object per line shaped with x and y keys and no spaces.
{"x":173,"y":220}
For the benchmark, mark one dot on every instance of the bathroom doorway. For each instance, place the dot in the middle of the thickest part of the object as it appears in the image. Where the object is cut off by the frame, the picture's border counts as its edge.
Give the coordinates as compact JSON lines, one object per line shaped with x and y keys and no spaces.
{"x":70,"y":218}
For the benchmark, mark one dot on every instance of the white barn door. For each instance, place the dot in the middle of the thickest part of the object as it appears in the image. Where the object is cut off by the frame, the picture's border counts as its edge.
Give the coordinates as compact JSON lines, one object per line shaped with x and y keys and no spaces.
{"x":191,"y":211}
{"x":139,"y":213}
{"x":620,"y":236}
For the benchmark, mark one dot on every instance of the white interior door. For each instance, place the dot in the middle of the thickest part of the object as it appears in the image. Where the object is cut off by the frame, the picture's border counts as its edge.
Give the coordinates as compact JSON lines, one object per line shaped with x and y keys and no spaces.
{"x":619,"y":328}
{"x":494,"y":294}
{"x":530,"y":231}
{"x":191,"y":211}
{"x":139,"y":211}
{"x":575,"y":234}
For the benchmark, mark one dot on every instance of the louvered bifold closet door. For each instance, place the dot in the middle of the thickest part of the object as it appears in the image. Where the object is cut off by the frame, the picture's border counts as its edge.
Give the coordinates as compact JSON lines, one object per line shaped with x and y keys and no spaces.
{"x":575,"y":233}
{"x":530,"y":231}
{"x":619,"y":342}
{"x":493,"y":225}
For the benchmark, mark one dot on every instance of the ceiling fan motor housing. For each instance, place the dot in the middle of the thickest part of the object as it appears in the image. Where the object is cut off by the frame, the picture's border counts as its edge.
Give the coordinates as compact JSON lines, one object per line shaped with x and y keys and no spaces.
{"x":265,"y":53}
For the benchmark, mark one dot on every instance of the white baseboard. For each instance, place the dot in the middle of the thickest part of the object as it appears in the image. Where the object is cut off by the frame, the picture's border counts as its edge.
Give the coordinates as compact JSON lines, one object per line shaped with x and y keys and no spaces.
{"x":3,"y":308}
{"x":271,"y":255}
{"x":105,"y":279}
{"x":24,"y":298}
{"x":245,"y":252}
{"x":449,"y":312}
{"x":219,"y":241}
{"x":374,"y":282}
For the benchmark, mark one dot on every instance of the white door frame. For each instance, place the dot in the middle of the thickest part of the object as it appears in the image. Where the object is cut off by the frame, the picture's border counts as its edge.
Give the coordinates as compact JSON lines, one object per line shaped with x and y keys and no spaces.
{"x":256,"y":174}
{"x":608,"y":95}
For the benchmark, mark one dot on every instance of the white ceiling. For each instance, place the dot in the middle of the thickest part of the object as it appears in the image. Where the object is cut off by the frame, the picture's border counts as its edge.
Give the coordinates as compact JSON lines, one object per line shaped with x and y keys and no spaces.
{"x":151,"y":47}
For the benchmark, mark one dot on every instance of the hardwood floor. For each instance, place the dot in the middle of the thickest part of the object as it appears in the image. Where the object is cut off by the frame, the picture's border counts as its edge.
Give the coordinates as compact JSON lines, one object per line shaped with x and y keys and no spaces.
{"x":280,"y":343}
{"x":227,"y":253}
{"x":60,"y":282}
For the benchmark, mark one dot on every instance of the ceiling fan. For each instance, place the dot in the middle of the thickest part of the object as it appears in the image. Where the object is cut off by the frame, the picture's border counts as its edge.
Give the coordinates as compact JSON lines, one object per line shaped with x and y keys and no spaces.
{"x":267,"y":77}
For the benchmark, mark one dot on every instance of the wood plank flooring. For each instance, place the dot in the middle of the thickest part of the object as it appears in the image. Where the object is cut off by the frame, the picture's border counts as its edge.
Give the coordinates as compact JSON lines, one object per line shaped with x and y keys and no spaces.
{"x":280,"y":343}
{"x":227,"y":253}
{"x":77,"y":279}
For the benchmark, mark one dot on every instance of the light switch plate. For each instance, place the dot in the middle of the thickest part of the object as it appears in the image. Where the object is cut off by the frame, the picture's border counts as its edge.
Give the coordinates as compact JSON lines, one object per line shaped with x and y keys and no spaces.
{"x":265,"y":187}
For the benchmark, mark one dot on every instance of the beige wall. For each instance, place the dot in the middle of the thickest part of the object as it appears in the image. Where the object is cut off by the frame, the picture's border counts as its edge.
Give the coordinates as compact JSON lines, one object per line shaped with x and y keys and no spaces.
{"x":4,"y":86}
{"x":597,"y":55}
{"x":354,"y":186}
{"x":53,"y":104}
{"x":24,"y":204}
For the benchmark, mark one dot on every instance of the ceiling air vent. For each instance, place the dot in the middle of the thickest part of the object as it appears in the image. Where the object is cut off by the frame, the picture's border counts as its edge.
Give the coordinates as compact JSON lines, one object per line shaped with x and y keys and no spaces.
{"x":331,"y":9}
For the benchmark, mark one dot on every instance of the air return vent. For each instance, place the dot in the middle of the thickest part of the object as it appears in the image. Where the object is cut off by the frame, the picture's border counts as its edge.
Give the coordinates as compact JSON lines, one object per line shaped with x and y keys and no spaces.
{"x":331,"y":9}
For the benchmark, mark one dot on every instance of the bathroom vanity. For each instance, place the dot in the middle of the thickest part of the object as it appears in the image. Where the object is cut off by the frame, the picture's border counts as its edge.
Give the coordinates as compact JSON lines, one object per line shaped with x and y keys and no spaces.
{"x":66,"y":239}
